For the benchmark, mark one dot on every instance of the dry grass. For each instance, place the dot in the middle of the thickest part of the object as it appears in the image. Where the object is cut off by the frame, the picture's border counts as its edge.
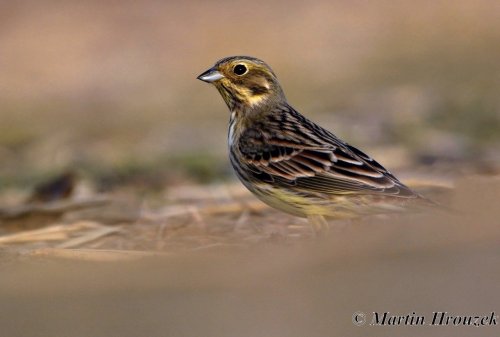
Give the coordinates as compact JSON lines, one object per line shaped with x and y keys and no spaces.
{"x":193,"y":218}
{"x":185,"y":218}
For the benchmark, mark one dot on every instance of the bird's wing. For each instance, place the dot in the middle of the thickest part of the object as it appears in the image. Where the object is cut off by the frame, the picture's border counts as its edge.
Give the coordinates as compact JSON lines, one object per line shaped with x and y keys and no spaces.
{"x":317,"y":162}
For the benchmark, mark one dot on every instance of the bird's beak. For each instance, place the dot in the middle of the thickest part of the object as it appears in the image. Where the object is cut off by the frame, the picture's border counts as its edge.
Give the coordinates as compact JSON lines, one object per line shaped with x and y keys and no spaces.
{"x":211,"y":75}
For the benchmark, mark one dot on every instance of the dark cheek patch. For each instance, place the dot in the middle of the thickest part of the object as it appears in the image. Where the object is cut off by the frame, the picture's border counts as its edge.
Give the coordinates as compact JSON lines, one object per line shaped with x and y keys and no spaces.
{"x":257,"y":83}
{"x":258,"y":90}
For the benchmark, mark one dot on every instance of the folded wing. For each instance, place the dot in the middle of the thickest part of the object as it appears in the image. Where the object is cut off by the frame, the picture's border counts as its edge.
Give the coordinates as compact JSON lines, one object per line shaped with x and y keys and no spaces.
{"x":315,"y":161}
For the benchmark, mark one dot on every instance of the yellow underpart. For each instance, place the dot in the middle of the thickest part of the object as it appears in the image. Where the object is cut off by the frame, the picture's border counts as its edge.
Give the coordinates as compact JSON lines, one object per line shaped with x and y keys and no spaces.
{"x":294,"y":203}
{"x":338,"y":207}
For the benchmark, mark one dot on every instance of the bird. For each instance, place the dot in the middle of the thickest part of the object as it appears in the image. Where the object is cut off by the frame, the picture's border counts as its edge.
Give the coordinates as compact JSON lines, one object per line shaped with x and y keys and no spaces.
{"x":290,"y":162}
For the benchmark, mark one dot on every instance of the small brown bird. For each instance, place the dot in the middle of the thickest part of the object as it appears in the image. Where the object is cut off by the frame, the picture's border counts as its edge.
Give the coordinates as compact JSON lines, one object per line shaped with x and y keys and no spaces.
{"x":291,"y":163}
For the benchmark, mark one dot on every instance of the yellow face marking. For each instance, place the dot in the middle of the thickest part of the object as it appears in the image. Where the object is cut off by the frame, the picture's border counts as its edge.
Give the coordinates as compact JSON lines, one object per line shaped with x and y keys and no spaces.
{"x":254,"y":100}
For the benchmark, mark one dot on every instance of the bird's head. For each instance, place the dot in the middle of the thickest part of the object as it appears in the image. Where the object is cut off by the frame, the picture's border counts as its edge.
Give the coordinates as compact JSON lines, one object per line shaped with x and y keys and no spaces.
{"x":245,"y":83}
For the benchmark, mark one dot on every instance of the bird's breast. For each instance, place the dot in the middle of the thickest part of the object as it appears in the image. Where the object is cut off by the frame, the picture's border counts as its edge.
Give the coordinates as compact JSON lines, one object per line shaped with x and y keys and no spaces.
{"x":231,"y":131}
{"x":237,"y":125}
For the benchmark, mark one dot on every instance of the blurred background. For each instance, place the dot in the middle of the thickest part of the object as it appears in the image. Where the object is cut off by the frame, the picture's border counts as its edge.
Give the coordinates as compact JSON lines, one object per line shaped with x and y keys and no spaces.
{"x":101,"y":98}
{"x":109,"y":86}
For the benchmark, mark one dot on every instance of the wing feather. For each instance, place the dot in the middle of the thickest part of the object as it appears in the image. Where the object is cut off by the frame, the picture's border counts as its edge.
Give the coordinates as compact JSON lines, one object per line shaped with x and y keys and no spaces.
{"x":313,"y":159}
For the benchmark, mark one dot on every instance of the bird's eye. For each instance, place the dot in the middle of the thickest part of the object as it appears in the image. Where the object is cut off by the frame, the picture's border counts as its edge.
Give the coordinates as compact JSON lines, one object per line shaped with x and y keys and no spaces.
{"x":240,"y":69}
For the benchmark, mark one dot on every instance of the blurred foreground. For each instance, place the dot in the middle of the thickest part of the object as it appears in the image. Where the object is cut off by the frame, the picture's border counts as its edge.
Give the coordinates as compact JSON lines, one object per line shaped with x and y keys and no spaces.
{"x":270,"y":285}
